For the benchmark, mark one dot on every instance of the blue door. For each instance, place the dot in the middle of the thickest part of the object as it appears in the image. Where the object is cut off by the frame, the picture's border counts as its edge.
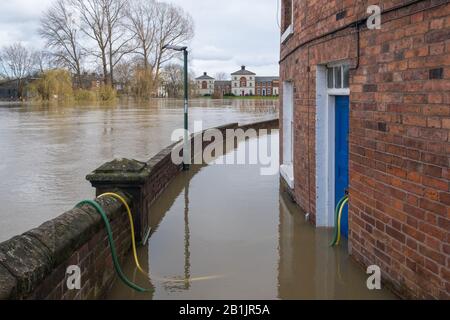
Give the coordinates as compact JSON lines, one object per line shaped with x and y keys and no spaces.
{"x":342,"y":154}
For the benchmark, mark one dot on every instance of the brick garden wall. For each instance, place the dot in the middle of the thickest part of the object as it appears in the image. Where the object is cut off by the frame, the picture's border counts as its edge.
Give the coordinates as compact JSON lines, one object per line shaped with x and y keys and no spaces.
{"x":399,"y":132}
{"x":33,"y":265}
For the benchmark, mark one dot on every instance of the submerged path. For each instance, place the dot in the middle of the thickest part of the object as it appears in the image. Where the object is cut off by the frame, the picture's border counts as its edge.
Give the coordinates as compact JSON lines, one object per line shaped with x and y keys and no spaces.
{"x":227,"y":232}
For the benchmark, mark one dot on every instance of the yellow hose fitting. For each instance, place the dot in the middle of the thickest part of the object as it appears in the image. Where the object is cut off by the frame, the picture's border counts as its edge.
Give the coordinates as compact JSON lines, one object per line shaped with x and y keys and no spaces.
{"x":130,"y":216}
{"x":341,"y":210}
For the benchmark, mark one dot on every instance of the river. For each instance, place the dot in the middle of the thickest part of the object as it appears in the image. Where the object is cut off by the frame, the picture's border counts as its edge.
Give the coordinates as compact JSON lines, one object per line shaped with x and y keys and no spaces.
{"x":46,"y":151}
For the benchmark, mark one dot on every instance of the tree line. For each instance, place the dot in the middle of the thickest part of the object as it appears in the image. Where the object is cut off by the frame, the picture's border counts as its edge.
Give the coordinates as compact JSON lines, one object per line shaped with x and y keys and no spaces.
{"x":121,"y":40}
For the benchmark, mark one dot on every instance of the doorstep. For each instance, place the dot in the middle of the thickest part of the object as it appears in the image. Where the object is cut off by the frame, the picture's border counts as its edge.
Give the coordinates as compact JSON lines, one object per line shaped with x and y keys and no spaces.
{"x":287,"y":172}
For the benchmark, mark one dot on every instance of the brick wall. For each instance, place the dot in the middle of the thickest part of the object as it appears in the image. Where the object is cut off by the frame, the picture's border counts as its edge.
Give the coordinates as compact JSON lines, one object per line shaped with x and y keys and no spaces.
{"x":286,"y":14}
{"x":399,"y":132}
{"x":34,"y":265}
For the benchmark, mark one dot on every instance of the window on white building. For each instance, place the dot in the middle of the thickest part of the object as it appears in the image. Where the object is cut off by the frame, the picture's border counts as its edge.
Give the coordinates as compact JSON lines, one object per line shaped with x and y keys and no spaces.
{"x":243,"y":82}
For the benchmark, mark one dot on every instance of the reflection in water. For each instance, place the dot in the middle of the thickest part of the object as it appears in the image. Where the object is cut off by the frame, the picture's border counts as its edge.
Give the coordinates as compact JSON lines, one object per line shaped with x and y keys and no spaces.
{"x":46,"y":151}
{"x":187,"y":237}
{"x":226,"y":232}
{"x":185,"y":283}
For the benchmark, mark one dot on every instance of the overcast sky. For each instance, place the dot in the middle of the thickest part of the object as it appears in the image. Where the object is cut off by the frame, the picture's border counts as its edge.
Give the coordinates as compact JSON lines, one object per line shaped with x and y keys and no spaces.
{"x":228,"y":33}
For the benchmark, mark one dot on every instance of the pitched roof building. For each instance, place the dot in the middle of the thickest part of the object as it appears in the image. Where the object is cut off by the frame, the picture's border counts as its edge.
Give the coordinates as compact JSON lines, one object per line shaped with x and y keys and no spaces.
{"x":267,"y":86}
{"x":205,"y":84}
{"x":243,"y":82}
{"x":243,"y":72}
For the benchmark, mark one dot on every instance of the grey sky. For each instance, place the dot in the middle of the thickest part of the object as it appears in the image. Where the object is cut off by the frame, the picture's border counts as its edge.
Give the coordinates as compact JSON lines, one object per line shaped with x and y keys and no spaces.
{"x":229,"y":33}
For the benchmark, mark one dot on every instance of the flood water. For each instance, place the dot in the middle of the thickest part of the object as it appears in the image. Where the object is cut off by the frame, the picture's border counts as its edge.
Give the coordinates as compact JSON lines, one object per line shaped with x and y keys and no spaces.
{"x":46,"y":151}
{"x":228,"y":232}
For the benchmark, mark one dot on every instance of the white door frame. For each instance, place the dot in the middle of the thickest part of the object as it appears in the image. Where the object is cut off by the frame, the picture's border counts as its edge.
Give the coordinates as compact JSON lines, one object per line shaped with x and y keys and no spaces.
{"x":325,"y":148}
{"x":287,"y":167}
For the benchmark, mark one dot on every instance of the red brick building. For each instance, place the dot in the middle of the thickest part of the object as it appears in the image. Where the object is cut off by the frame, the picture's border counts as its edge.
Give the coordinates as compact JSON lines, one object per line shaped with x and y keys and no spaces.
{"x":267,"y":86}
{"x":368,"y":110}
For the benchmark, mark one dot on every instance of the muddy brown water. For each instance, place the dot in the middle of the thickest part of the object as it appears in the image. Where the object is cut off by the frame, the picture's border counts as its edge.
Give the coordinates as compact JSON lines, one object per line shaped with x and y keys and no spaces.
{"x":227,"y":232}
{"x":46,"y":151}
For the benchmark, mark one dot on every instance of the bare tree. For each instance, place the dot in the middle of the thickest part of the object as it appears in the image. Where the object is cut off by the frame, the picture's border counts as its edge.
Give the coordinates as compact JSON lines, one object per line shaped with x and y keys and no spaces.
{"x":141,"y":21}
{"x":120,"y":40}
{"x":172,"y":76}
{"x":59,"y":29}
{"x":93,"y":25}
{"x":221,"y":76}
{"x":111,"y":30}
{"x":102,"y":22}
{"x":124,"y":75}
{"x":18,"y":63}
{"x":156,"y":24}
{"x":43,"y":61}
{"x":174,"y":27}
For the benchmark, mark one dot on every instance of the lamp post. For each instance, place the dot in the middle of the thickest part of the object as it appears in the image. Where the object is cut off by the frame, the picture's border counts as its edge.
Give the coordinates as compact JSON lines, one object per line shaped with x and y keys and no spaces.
{"x":186,"y":150}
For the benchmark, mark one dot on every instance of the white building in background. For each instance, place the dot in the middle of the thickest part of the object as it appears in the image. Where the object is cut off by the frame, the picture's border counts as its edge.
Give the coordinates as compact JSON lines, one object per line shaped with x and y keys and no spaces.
{"x":243,"y":82}
{"x":162,"y":91}
{"x":205,"y":84}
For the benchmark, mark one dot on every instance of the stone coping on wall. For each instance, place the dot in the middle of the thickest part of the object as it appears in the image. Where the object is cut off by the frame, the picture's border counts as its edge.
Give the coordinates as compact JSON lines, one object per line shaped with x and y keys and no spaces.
{"x":137,"y":172}
{"x":26,"y":260}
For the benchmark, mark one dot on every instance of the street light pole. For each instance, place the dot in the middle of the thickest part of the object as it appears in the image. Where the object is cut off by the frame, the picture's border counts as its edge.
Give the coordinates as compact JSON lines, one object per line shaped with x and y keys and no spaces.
{"x":187,"y":145}
{"x":186,"y":150}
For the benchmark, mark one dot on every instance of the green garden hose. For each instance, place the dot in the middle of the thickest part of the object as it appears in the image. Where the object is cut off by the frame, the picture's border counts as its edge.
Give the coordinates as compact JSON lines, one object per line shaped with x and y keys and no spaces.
{"x":112,"y":245}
